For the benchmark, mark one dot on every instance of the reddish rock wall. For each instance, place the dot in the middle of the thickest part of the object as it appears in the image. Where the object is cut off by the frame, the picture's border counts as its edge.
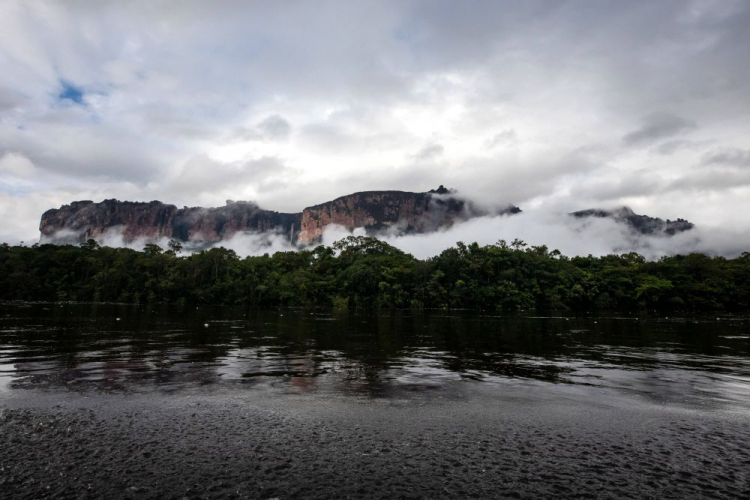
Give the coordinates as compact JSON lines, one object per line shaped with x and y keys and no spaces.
{"x":374,"y":210}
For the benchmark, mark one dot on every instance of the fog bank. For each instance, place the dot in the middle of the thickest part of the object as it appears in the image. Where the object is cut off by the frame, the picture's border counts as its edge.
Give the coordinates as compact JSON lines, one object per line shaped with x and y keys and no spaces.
{"x":571,"y":236}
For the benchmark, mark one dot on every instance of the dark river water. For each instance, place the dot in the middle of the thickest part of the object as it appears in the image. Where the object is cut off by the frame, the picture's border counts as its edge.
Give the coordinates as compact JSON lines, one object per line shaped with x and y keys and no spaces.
{"x":121,"y":401}
{"x":694,"y":362}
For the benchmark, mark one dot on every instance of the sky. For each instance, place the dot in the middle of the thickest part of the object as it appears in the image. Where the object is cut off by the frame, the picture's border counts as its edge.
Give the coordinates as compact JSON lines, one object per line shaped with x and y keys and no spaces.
{"x":552,"y":106}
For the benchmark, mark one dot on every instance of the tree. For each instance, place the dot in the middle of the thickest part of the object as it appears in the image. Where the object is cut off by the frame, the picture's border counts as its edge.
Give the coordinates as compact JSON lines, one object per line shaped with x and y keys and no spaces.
{"x":362,"y":271}
{"x":90,"y":244}
{"x":152,"y":249}
{"x":174,"y":246}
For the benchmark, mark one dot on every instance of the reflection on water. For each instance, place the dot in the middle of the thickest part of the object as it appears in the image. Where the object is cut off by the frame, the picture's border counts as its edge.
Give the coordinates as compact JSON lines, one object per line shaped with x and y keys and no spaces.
{"x":691,"y":361}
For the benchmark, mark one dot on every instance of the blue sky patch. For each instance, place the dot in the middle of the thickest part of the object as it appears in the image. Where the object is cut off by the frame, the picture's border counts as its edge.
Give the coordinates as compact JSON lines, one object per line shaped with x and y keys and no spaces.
{"x":71,"y":93}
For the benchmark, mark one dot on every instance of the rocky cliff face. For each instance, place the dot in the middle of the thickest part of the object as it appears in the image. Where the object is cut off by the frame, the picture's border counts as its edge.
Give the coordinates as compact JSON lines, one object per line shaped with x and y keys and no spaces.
{"x":215,"y":224}
{"x":639,"y":223}
{"x":374,"y":210}
{"x":82,"y":220}
{"x":399,"y":211}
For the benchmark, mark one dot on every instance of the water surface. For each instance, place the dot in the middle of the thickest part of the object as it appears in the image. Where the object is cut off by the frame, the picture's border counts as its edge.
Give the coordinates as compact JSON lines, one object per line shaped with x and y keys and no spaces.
{"x":695,"y":362}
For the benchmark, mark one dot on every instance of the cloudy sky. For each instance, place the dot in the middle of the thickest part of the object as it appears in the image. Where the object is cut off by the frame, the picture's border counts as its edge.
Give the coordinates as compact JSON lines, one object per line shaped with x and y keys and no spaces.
{"x":549,"y":105}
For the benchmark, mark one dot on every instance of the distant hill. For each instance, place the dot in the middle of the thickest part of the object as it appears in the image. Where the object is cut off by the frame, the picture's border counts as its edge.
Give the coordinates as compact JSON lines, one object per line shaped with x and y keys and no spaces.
{"x":639,"y":223}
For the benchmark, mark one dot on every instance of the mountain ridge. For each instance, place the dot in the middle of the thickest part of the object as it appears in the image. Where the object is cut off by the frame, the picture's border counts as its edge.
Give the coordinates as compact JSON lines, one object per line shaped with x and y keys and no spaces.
{"x":640,"y":223}
{"x":378,"y":212}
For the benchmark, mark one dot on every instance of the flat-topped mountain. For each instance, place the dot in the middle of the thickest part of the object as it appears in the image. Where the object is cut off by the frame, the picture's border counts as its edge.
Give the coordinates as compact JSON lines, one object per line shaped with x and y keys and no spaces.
{"x":639,"y":223}
{"x":376,"y":211}
{"x":82,"y":220}
{"x":379,"y":211}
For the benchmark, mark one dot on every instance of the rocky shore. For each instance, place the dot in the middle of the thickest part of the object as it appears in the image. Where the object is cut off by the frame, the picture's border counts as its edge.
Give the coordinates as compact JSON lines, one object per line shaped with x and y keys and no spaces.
{"x":264,"y":445}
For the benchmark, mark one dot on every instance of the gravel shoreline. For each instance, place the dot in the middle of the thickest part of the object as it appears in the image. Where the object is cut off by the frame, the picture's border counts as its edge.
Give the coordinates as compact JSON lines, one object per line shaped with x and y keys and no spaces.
{"x":266,"y":445}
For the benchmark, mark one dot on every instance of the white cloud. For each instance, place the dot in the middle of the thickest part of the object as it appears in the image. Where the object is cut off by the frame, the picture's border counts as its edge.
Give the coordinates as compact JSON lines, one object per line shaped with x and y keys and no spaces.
{"x":16,"y":164}
{"x":570,"y":235}
{"x":295,"y":103}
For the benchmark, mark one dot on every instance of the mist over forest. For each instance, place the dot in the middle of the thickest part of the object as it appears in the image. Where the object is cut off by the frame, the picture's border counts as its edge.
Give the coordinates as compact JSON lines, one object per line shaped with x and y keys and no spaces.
{"x":571,"y":236}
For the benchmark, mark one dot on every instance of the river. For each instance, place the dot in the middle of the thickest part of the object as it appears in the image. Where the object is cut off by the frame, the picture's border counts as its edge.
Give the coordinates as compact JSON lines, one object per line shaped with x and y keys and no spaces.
{"x":135,"y":401}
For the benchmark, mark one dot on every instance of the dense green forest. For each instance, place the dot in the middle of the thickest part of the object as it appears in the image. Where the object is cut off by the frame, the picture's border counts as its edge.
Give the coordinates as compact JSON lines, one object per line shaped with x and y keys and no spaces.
{"x":366,"y":272}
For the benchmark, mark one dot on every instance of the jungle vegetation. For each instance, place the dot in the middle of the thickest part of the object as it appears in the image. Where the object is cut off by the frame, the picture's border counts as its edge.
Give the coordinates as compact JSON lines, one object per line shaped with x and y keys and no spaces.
{"x":359,"y":272}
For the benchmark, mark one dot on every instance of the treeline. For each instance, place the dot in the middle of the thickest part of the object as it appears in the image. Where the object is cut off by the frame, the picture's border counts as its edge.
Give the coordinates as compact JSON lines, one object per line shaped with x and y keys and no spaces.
{"x":366,"y":272}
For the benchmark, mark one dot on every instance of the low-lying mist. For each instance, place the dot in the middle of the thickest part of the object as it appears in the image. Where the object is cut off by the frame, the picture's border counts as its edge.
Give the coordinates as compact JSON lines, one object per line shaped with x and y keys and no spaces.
{"x":573,"y":236}
{"x":569,"y":235}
